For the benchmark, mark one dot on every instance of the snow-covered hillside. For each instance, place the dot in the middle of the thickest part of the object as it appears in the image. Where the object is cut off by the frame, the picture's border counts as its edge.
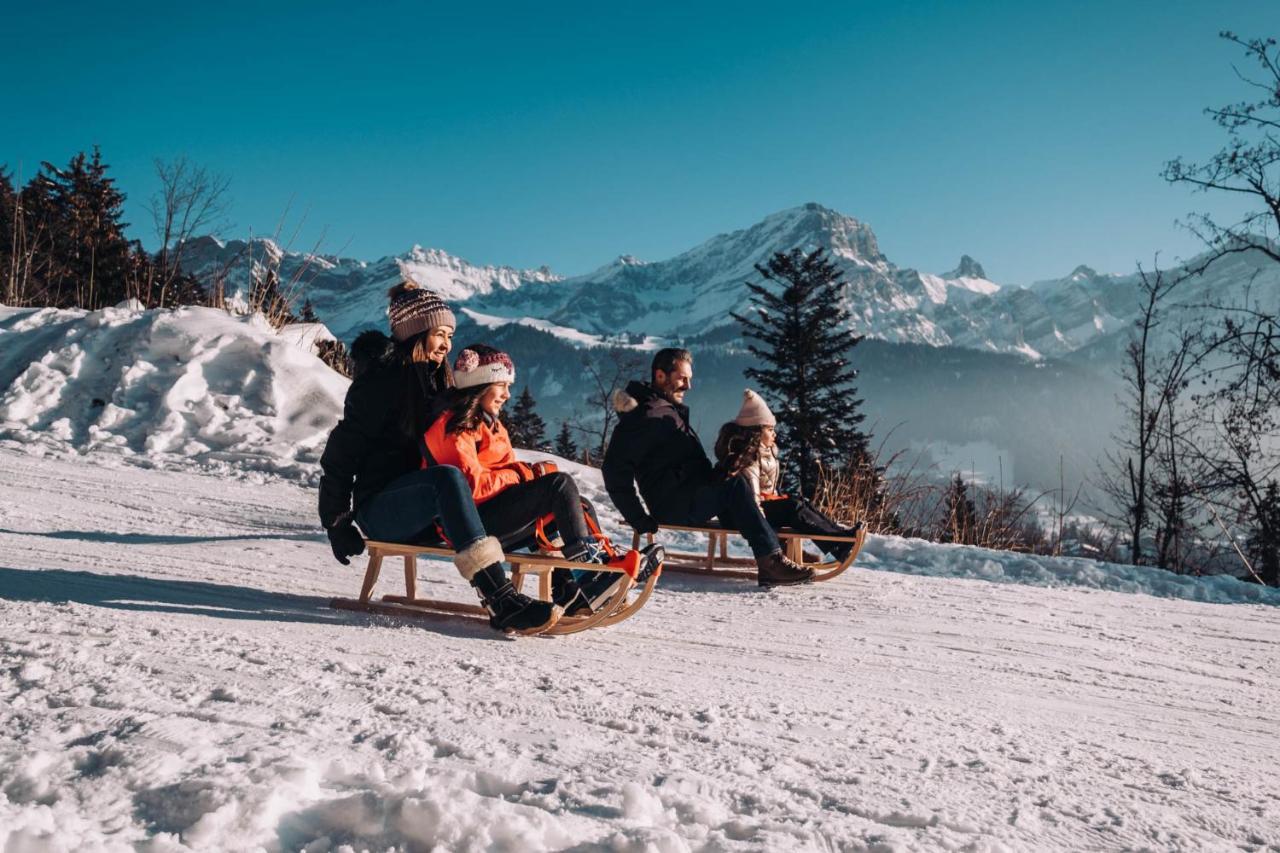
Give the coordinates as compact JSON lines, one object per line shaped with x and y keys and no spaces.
{"x":172,"y":679}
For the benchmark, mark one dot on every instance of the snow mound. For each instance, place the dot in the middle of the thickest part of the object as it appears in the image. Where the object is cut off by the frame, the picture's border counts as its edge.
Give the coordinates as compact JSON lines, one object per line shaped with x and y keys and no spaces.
{"x":166,"y":387}
{"x":918,"y":557}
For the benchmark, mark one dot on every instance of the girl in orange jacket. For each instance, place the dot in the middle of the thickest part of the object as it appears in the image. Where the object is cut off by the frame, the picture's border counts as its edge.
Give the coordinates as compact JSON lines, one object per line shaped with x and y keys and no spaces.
{"x":511,"y":495}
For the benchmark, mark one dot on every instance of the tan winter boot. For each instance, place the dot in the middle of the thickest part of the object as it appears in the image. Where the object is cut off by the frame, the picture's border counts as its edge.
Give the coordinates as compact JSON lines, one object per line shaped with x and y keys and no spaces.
{"x":777,"y":570}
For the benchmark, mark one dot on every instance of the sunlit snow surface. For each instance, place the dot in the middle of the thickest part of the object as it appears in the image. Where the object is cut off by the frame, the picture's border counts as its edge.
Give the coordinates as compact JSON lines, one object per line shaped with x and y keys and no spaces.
{"x":171,"y":677}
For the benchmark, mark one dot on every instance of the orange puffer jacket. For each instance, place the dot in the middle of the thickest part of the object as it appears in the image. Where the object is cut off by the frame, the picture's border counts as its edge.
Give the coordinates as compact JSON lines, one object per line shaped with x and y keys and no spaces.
{"x":483,"y":454}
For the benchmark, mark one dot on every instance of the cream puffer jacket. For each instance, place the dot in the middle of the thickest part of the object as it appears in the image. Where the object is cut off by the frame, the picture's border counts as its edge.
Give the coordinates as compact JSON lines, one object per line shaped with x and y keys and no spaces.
{"x":763,"y":473}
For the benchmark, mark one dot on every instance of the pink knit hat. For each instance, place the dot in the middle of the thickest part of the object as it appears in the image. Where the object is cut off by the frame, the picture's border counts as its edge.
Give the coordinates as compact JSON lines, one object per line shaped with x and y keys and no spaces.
{"x":481,"y":366}
{"x":754,"y":411}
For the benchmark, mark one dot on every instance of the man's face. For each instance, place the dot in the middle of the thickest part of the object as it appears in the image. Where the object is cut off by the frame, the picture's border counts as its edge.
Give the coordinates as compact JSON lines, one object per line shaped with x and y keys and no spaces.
{"x":673,"y":385}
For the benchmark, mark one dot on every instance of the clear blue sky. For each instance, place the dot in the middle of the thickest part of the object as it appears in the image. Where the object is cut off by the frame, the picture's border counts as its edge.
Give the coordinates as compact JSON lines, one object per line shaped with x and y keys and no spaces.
{"x":1029,"y":135}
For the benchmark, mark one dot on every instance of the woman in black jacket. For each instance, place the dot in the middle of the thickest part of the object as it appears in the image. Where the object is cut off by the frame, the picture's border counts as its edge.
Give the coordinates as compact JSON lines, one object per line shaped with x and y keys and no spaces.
{"x":373,"y":457}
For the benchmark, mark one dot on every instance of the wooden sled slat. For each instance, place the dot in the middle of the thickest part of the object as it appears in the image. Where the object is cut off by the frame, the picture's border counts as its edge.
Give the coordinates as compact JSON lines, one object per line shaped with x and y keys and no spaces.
{"x":626,"y":611}
{"x":386,"y":608}
{"x":712,"y":564}
{"x":614,"y":610}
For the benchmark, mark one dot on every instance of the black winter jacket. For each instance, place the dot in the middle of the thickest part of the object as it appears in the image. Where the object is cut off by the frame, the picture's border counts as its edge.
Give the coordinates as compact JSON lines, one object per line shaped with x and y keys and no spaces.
{"x":654,"y":447}
{"x":369,"y":447}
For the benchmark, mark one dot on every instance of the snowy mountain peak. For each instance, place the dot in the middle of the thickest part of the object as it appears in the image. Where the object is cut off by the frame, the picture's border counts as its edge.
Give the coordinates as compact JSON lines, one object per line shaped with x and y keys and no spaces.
{"x":812,"y":226}
{"x":968,"y":268}
{"x":1083,"y":272}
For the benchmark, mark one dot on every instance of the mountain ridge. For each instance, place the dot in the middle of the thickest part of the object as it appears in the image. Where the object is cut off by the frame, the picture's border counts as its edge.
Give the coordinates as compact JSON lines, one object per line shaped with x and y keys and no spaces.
{"x":693,"y":292}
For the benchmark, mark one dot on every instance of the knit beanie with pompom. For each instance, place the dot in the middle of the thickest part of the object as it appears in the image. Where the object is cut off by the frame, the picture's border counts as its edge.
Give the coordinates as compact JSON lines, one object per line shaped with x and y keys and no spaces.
{"x":415,"y":310}
{"x":754,"y":411}
{"x":481,"y":365}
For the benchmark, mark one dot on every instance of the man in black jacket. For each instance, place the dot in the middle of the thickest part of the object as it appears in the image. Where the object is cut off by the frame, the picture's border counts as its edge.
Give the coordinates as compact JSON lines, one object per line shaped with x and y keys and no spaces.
{"x":655,"y":447}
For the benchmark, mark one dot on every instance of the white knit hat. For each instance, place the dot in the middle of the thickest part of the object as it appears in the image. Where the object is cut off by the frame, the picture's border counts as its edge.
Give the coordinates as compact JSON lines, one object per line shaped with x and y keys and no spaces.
{"x":754,"y":411}
{"x":482,"y":366}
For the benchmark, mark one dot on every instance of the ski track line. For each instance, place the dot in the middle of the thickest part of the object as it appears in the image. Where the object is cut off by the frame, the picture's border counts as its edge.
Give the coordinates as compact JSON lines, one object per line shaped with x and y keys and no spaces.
{"x":170,"y":674}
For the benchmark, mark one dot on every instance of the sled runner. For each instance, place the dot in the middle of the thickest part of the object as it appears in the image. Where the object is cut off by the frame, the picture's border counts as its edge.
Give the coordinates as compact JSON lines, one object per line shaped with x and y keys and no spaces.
{"x":621,"y":605}
{"x":722,"y":565}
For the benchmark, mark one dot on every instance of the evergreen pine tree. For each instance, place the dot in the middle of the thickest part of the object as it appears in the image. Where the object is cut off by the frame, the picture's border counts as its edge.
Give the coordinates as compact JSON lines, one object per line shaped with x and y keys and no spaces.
{"x":961,"y":522}
{"x":40,"y":272}
{"x":526,"y":426}
{"x":802,"y":334}
{"x":266,"y":296}
{"x":565,"y":446}
{"x":185,"y":289}
{"x":8,"y":239}
{"x":93,"y":257}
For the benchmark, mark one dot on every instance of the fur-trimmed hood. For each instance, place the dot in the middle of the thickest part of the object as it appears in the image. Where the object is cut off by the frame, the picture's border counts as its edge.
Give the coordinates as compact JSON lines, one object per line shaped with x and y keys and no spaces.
{"x":640,"y":399}
{"x":624,"y":402}
{"x":635,"y":395}
{"x":369,"y":350}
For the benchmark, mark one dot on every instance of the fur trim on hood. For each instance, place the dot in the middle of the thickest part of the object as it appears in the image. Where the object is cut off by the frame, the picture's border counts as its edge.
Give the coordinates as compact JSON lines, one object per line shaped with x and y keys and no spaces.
{"x":624,"y":402}
{"x":371,"y":349}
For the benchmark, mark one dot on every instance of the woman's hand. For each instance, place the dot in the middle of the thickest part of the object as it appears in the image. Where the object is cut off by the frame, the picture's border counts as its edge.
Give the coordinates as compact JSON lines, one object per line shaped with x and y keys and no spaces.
{"x":542,"y":469}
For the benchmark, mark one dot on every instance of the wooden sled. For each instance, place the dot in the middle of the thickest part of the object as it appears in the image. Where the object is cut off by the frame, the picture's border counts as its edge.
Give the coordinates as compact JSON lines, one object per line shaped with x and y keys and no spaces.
{"x":616,"y":609}
{"x":722,"y":565}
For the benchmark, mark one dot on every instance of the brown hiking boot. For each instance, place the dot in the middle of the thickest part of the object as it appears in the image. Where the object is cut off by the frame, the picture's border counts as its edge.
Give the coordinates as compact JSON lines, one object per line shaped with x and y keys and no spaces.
{"x":777,"y":570}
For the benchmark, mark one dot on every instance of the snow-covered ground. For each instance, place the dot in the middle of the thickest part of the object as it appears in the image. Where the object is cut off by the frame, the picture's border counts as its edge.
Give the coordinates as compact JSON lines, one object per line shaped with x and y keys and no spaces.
{"x":172,"y":678}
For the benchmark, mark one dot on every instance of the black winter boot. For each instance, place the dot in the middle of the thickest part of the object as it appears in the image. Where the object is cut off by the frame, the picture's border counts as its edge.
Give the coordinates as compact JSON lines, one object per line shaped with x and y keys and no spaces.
{"x":509,"y":611}
{"x":777,"y":570}
{"x":599,"y":587}
{"x":567,"y":594}
{"x":651,"y":559}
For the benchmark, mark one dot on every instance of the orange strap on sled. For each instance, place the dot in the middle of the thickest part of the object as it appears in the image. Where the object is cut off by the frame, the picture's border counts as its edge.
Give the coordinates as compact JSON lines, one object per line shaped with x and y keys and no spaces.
{"x":544,"y":541}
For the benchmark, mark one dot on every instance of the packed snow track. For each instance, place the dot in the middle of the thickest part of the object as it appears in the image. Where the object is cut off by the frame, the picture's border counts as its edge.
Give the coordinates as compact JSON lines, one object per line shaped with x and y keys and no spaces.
{"x":171,"y":678}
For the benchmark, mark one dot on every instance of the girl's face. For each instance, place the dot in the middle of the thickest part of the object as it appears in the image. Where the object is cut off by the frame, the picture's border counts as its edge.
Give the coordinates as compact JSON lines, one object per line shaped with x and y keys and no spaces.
{"x":439,"y":342}
{"x":493,"y":397}
{"x":768,"y":436}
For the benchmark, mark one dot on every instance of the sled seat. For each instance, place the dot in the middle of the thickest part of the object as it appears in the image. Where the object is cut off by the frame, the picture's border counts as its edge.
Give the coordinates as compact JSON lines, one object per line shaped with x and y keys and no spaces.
{"x":619,"y":606}
{"x":716,"y":561}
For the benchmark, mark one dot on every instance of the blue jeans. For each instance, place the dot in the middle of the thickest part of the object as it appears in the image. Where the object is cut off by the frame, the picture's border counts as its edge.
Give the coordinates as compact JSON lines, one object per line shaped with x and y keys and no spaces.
{"x":734,"y":503}
{"x":410,"y":505}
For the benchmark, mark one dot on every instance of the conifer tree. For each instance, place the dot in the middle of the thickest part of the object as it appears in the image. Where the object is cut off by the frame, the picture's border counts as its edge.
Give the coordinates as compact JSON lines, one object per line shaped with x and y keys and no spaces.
{"x":267,"y":296}
{"x":39,"y":272}
{"x":8,"y":239}
{"x":961,"y":522}
{"x":1264,"y":538}
{"x":565,"y":446}
{"x":801,"y":333}
{"x":526,"y":426}
{"x":93,"y":253}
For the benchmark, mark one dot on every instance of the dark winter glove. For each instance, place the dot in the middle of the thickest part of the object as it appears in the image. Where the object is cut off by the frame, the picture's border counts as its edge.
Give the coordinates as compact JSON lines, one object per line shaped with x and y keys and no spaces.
{"x":646,"y":525}
{"x":346,"y":541}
